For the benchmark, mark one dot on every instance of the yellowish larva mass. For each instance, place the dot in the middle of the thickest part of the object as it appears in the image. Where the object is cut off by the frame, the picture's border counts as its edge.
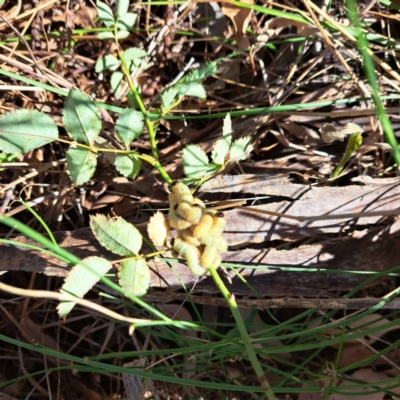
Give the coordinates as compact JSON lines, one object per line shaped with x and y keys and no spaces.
{"x":181,"y":193}
{"x":210,"y":257}
{"x":204,"y":226}
{"x":187,"y":236}
{"x":200,"y":230}
{"x":176,"y":222}
{"x":214,"y":241}
{"x":191,"y":213}
{"x":192,"y":255}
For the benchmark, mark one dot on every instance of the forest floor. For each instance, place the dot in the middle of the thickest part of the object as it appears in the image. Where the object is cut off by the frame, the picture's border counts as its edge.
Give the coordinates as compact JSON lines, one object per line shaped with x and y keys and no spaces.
{"x":285,"y":116}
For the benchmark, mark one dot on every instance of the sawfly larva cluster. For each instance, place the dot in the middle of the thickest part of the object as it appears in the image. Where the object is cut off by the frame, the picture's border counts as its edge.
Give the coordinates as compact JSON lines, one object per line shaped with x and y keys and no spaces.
{"x":200,"y":230}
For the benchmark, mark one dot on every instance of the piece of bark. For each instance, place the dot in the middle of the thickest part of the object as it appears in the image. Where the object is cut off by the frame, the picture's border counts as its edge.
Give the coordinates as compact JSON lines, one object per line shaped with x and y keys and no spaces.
{"x":369,"y":252}
{"x":342,"y":254}
{"x":252,"y":227}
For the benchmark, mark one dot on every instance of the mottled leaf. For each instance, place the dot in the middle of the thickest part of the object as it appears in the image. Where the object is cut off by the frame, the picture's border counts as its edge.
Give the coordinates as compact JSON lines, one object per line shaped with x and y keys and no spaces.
{"x":222,"y":146}
{"x":25,"y":130}
{"x":240,"y":149}
{"x":129,"y":126}
{"x":116,"y":235}
{"x":105,"y":14}
{"x":128,"y":165}
{"x":134,"y":277}
{"x":81,"y":279}
{"x":81,"y":164}
{"x":106,"y":62}
{"x":195,"y":161}
{"x":81,"y":117}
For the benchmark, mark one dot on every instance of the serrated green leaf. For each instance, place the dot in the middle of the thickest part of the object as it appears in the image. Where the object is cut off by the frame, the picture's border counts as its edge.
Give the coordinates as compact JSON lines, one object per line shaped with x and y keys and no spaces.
{"x":122,"y":34}
{"x":81,"y":117}
{"x":222,"y":146}
{"x":133,"y":53}
{"x":192,"y":89}
{"x":105,"y":14}
{"x":168,"y":97}
{"x":201,"y":73}
{"x":106,"y":62}
{"x":105,"y":35}
{"x":134,"y":277}
{"x":116,"y":235}
{"x":25,"y":130}
{"x":195,"y":162}
{"x":116,"y":80}
{"x":81,"y":164}
{"x":240,"y":149}
{"x":129,"y":126}
{"x":128,"y":165}
{"x":122,"y":7}
{"x":81,"y":279}
{"x":126,"y":21}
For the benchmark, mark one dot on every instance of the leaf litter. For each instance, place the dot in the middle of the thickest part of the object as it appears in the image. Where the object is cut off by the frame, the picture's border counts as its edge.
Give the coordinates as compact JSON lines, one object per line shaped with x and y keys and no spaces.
{"x":290,"y":163}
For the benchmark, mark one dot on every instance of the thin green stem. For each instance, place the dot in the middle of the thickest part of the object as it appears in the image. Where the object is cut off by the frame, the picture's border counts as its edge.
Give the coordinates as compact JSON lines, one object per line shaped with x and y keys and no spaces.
{"x":369,"y":68}
{"x":230,"y":299}
{"x":149,"y":124}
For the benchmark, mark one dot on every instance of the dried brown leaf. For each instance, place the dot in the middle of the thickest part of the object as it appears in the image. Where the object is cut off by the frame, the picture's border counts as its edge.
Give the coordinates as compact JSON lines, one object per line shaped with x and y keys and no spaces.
{"x":158,"y":229}
{"x":330,"y":133}
{"x":240,"y":18}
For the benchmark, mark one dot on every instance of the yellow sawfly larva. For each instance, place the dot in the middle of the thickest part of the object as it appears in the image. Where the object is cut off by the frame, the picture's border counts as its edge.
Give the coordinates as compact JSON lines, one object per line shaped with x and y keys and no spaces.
{"x":200,"y":203}
{"x":181,"y":193}
{"x":219,"y":223}
{"x":204,"y":226}
{"x":192,"y":255}
{"x":210,"y":257}
{"x":187,"y":236}
{"x":176,"y":222}
{"x":191,"y":213}
{"x":218,"y":242}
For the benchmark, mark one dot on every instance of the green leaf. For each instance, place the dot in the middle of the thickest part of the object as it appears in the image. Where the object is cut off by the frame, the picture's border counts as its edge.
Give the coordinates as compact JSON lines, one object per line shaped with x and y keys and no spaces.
{"x":192,"y":89}
{"x":133,"y":53}
{"x":25,"y":130}
{"x":81,"y":279}
{"x":195,"y":162}
{"x":105,"y":35}
{"x":168,"y":97}
{"x":190,"y":85}
{"x":201,"y":73}
{"x":81,"y":164}
{"x":240,"y":149}
{"x":222,"y":146}
{"x":122,"y":34}
{"x":122,"y":7}
{"x":126,"y":21}
{"x":128,"y":165}
{"x":105,"y":14}
{"x":116,"y":235}
{"x":134,"y":277}
{"x":106,"y":62}
{"x":81,"y":117}
{"x":355,"y":141}
{"x":116,"y":80}
{"x":129,"y":126}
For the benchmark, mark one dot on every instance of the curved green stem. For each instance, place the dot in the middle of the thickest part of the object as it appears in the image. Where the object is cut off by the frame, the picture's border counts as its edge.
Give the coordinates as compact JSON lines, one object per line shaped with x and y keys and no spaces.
{"x":230,"y":299}
{"x":149,"y":124}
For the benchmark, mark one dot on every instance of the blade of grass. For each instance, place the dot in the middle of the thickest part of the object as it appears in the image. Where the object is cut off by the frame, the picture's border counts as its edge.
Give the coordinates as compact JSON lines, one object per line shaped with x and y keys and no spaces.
{"x":369,"y":69}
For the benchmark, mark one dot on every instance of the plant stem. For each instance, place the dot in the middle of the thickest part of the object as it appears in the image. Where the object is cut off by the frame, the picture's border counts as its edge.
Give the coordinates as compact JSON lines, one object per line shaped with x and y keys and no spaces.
{"x":230,"y":299}
{"x":148,"y":122}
